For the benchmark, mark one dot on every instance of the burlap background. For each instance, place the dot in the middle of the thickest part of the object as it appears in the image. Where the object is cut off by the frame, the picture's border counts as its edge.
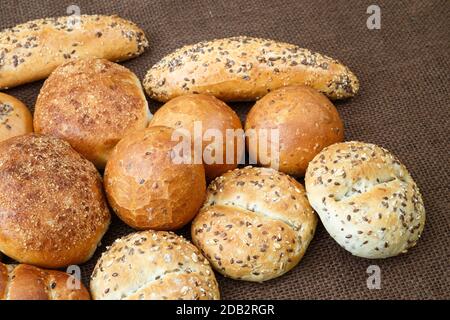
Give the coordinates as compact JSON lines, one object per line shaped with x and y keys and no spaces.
{"x":404,"y":70}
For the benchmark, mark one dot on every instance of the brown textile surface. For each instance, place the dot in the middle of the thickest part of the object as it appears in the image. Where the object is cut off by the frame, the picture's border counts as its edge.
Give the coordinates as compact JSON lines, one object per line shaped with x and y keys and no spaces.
{"x":404,"y":70}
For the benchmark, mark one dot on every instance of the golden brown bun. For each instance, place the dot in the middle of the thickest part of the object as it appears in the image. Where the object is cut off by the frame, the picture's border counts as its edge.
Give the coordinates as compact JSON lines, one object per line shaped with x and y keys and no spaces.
{"x":15,"y":118}
{"x":31,"y":51}
{"x":25,"y":282}
{"x":92,"y":104}
{"x":183,"y":111}
{"x":153,"y":265}
{"x":245,"y":68}
{"x":307,"y":122}
{"x":366,"y":199}
{"x":255,"y":225}
{"x":53,"y":212}
{"x":146,"y":188}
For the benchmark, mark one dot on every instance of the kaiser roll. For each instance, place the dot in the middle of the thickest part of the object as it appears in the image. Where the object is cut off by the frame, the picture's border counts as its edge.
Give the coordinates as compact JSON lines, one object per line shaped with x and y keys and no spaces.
{"x":255,"y":225}
{"x":366,"y":199}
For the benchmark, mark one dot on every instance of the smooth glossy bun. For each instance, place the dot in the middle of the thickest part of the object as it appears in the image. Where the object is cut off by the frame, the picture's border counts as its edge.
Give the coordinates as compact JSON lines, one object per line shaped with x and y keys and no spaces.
{"x":25,"y":282}
{"x":147,"y":188}
{"x":92,"y":104}
{"x":255,"y":225}
{"x":307,"y":122}
{"x":213,"y":114}
{"x":52,"y":209}
{"x":15,"y":118}
{"x":366,"y":199}
{"x":153,"y":265}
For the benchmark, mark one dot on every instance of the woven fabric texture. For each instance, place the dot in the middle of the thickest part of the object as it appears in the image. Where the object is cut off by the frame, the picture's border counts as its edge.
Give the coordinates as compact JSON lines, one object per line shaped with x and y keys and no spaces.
{"x":404,"y":70}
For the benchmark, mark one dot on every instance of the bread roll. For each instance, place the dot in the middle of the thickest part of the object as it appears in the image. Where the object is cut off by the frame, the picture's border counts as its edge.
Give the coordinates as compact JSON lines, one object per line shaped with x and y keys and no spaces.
{"x":15,"y":118}
{"x":307,"y":122}
{"x":147,"y":188}
{"x":255,"y":225}
{"x":153,"y":265}
{"x":31,"y":51}
{"x":245,"y":68}
{"x":25,"y":282}
{"x":366,"y":199}
{"x":92,"y":104}
{"x":52,"y":209}
{"x":207,"y":113}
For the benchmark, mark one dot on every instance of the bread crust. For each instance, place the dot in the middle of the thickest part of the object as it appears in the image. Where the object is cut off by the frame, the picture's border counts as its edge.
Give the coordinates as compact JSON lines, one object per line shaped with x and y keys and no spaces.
{"x":146,"y":188}
{"x":32,"y":50}
{"x":15,"y":118}
{"x":245,"y":69}
{"x":182,"y":113}
{"x":26,"y":282}
{"x":52,"y":209}
{"x":255,"y":225}
{"x":91,"y":103}
{"x":366,"y":199}
{"x":307,"y":122}
{"x":153,"y":265}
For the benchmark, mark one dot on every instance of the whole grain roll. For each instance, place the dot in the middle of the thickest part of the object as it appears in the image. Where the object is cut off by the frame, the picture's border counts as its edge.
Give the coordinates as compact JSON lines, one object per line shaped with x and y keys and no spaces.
{"x":32,"y":50}
{"x":25,"y":282}
{"x":52,"y":209}
{"x":212,"y":116}
{"x":255,"y":225}
{"x":15,"y":118}
{"x":366,"y":199}
{"x":153,"y":265}
{"x":145,"y":185}
{"x":92,"y":104}
{"x":306,"y":121}
{"x":245,"y":69}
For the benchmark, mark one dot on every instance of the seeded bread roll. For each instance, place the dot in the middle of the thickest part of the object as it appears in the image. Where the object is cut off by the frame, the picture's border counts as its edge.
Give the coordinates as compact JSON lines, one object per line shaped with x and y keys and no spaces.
{"x":31,"y":51}
{"x":211,"y":116}
{"x":145,"y":185}
{"x":306,"y":121}
{"x":366,"y":199}
{"x":25,"y":282}
{"x":255,"y":225}
{"x":91,"y":103}
{"x":245,"y":68}
{"x":15,"y":118}
{"x":153,"y":265}
{"x":52,"y":209}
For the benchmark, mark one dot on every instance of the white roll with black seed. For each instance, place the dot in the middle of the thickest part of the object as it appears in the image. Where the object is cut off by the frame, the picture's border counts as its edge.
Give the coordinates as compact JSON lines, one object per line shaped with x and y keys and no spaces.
{"x":366,"y":199}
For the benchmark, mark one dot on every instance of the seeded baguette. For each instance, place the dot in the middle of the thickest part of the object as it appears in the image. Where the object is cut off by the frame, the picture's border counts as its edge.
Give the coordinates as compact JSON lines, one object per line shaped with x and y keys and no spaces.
{"x":31,"y":51}
{"x":245,"y":69}
{"x":153,"y":265}
{"x":366,"y":199}
{"x":26,"y":282}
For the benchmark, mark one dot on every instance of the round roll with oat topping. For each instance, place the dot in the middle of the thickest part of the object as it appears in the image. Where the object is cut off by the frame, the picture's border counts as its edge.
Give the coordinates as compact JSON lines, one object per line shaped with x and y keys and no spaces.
{"x":366,"y":199}
{"x":255,"y":225}
{"x":52,"y":209}
{"x":153,"y":265}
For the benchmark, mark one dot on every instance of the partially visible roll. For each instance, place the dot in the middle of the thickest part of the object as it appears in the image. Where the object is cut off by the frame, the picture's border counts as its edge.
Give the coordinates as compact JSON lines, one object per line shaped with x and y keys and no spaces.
{"x":153,"y":265}
{"x":25,"y":282}
{"x":255,"y":225}
{"x":15,"y":118}
{"x":366,"y":199}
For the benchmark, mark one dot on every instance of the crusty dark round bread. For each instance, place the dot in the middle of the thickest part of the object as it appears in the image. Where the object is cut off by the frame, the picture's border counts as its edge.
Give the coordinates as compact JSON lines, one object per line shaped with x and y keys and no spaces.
{"x":26,"y":282}
{"x":146,"y":188}
{"x":307,"y":122}
{"x":366,"y":199}
{"x":213,"y":114}
{"x":15,"y":118}
{"x":255,"y":225}
{"x":153,"y":265}
{"x":52,"y":209}
{"x":92,"y":104}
